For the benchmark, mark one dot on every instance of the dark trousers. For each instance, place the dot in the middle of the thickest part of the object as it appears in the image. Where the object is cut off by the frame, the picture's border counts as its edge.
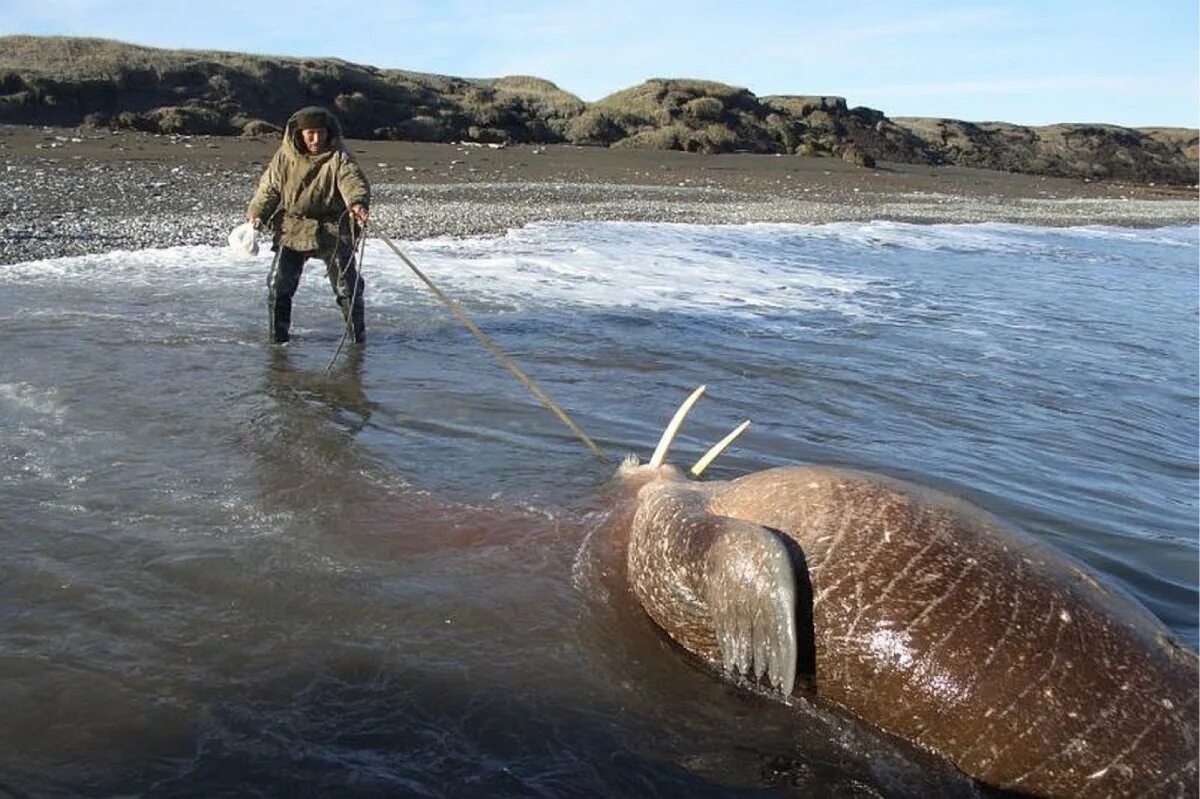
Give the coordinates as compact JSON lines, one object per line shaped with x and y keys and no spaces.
{"x":284,"y":279}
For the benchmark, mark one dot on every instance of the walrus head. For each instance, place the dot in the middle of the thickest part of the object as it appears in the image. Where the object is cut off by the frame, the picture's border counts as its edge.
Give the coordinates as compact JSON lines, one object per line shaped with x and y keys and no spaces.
{"x":722,"y":588}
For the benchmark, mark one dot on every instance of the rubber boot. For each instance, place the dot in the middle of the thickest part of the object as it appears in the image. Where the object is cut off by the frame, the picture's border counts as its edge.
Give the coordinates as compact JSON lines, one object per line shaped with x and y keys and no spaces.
{"x":280,"y":311}
{"x":356,"y":323}
{"x":282,"y":282}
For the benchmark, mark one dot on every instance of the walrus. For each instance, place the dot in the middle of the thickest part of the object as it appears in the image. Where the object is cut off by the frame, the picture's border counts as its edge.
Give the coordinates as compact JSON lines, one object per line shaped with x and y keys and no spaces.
{"x":918,"y":613}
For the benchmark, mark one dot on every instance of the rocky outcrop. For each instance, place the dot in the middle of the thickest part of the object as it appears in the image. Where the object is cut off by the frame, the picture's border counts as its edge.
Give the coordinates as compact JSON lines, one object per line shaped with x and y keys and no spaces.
{"x":1093,"y":152}
{"x":692,"y":115}
{"x":70,"y":81}
{"x":825,"y":125}
{"x":73,"y":81}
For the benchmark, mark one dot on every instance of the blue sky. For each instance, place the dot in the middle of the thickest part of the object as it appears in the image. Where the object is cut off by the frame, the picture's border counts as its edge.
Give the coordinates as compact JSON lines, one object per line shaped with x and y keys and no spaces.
{"x":1130,"y":63}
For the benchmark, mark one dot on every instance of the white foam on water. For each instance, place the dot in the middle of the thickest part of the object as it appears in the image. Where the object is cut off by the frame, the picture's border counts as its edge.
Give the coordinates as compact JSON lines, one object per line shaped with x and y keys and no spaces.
{"x":1003,"y":238}
{"x":734,"y":270}
{"x":651,"y":267}
{"x":37,"y":439}
{"x":183,"y":266}
{"x":1168,"y":236}
{"x":26,"y":399}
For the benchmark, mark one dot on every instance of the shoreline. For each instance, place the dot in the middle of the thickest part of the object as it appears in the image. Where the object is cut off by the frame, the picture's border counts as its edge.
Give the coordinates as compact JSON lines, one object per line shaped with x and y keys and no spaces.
{"x":82,"y":191}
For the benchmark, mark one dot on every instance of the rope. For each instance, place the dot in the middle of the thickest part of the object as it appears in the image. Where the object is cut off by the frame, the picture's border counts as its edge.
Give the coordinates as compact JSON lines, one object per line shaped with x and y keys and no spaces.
{"x":358,"y":244}
{"x":495,"y":350}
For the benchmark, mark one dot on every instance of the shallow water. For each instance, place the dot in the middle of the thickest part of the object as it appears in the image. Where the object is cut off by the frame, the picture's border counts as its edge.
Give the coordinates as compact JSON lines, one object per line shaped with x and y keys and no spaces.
{"x":226,"y":571}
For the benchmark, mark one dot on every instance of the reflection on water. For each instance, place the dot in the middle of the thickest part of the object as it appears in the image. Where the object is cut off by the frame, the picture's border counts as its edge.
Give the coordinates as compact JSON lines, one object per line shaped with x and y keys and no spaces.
{"x":339,"y":386}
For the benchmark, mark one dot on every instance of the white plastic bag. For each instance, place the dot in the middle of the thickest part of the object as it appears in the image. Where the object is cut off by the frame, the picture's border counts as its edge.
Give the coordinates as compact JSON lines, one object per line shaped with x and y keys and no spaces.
{"x":243,"y":240}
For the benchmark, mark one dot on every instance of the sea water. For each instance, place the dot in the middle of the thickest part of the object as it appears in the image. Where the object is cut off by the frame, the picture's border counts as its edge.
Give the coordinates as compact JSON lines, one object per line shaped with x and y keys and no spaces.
{"x":228,"y":568}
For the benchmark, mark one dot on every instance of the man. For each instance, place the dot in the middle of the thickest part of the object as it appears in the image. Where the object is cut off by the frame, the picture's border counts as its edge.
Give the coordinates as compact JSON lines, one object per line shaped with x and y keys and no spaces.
{"x":316,"y":198}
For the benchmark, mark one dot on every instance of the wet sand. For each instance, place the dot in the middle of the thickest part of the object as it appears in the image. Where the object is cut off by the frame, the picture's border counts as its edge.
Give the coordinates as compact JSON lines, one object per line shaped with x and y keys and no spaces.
{"x":76,"y":191}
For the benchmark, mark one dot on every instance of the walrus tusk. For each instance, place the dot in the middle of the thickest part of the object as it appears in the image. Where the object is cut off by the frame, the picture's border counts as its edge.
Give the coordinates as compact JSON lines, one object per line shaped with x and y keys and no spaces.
{"x":718,"y":448}
{"x":664,"y":443}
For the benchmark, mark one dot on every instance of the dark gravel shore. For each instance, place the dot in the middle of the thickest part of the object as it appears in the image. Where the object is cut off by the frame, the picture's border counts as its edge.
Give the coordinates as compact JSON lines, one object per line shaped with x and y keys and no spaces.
{"x":70,"y":192}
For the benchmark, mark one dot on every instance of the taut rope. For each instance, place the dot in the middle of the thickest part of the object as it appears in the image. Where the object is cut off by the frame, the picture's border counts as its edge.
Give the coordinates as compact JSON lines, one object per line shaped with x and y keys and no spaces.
{"x":495,"y":350}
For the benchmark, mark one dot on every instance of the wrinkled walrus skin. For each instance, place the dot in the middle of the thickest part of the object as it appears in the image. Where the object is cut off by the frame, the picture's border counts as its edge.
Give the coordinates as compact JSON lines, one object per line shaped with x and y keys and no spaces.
{"x":923,"y":616}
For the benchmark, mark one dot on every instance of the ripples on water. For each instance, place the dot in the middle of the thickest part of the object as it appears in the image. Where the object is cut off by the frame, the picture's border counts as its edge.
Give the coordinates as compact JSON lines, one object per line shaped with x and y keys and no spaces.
{"x":226,"y":572}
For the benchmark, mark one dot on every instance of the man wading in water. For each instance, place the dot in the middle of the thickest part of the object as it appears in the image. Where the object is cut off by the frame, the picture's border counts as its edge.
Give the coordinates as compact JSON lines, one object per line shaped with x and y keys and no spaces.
{"x":316,"y":198}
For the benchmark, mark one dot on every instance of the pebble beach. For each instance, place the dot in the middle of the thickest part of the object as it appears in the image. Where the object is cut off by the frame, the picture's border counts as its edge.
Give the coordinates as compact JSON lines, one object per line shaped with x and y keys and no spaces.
{"x":82,"y":191}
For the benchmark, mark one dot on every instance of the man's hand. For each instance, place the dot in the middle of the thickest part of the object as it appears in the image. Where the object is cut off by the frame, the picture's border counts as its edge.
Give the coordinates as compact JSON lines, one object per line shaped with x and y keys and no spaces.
{"x":360,"y":213}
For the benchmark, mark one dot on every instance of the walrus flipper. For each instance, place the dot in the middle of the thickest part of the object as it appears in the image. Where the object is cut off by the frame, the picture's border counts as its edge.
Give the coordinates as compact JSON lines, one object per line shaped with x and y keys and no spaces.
{"x":751,"y":593}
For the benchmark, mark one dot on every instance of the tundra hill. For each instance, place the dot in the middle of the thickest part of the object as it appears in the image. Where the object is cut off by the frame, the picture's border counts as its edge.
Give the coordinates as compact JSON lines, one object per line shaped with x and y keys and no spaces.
{"x":67,"y":81}
{"x":1166,"y":155}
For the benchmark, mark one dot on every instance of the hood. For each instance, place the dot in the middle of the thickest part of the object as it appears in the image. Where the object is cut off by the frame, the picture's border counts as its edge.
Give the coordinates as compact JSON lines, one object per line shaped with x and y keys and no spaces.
{"x":291,"y":130}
